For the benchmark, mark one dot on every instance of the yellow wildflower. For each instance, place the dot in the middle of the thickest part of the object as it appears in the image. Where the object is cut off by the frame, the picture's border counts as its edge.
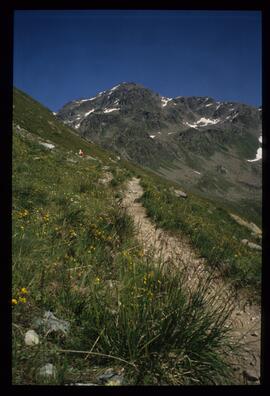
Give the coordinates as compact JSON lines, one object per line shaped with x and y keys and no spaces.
{"x":22,"y":300}
{"x":45,"y":217}
{"x":97,"y":280}
{"x":14,"y":301}
{"x":24,"y":290}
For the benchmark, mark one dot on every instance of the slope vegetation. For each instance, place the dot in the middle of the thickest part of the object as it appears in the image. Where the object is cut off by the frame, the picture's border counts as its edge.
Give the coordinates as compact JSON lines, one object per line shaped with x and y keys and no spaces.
{"x":122,"y":319}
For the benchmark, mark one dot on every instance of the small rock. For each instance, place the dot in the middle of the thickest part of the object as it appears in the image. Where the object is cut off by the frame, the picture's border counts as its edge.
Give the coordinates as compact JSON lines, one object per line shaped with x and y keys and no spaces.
{"x":109,"y":373}
{"x":255,"y":334}
{"x":254,"y":246}
{"x":47,"y":145}
{"x":51,"y":323}
{"x":116,"y":380}
{"x":251,"y":245}
{"x":180,"y":194}
{"x":250,"y":375}
{"x":48,"y":370}
{"x":31,"y":338}
{"x":111,"y":377}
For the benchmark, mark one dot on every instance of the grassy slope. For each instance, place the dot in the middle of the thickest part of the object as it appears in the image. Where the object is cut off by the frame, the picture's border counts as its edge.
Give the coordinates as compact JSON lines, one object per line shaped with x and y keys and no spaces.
{"x":75,"y":252}
{"x":215,"y":235}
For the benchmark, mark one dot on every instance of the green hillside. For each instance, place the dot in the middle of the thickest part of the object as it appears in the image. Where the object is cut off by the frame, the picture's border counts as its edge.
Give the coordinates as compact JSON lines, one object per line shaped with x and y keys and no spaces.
{"x":75,"y":254}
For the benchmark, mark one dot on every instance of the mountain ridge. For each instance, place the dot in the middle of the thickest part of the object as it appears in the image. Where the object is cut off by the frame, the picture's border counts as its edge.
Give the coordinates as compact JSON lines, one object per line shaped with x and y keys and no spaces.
{"x":219,"y":142}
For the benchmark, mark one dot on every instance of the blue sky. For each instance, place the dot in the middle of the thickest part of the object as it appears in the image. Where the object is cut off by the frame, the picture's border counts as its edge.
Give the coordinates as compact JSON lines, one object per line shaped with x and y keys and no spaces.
{"x":64,"y":55}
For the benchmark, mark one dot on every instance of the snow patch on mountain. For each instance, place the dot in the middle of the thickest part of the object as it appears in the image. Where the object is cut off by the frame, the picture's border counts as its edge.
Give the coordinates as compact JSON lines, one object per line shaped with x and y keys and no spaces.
{"x":84,"y":100}
{"x":165,"y":101}
{"x":110,"y":110}
{"x":89,"y":112}
{"x":259,"y":152}
{"x":258,"y":155}
{"x":113,"y":88}
{"x":190,"y":125}
{"x":203,"y":122}
{"x":207,"y":121}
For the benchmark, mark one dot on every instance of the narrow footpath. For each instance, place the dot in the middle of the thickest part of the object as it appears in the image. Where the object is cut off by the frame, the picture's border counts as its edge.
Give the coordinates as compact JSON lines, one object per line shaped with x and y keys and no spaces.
{"x":177,"y":252}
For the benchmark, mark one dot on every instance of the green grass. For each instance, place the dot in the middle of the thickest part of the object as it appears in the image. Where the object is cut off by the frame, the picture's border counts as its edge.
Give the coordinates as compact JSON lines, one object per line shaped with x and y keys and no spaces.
{"x":70,"y":241}
{"x":76,"y":254}
{"x":215,"y":235}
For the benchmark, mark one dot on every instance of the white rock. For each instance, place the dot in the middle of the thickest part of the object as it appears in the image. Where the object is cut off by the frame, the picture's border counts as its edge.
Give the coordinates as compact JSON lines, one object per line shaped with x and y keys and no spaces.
{"x":47,"y":145}
{"x":31,"y":338}
{"x":48,"y":370}
{"x":180,"y":194}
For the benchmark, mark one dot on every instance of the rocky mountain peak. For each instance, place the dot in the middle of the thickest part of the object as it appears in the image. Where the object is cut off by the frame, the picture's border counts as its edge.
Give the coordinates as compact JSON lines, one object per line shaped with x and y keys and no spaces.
{"x":149,"y":128}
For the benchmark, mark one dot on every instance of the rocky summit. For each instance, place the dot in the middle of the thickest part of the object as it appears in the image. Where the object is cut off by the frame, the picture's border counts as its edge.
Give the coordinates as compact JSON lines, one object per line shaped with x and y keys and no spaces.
{"x":207,"y":146}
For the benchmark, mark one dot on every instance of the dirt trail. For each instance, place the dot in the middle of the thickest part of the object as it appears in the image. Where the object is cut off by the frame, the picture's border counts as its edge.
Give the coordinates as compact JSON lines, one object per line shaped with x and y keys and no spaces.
{"x":176,"y":251}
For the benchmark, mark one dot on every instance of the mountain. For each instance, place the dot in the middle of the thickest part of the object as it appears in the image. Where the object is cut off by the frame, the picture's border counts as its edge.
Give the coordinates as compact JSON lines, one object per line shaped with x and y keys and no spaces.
{"x":207,"y":146}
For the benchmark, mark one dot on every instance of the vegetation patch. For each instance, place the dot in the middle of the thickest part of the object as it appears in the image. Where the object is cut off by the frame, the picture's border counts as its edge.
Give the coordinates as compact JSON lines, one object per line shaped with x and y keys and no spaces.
{"x":215,"y":235}
{"x":75,"y":255}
